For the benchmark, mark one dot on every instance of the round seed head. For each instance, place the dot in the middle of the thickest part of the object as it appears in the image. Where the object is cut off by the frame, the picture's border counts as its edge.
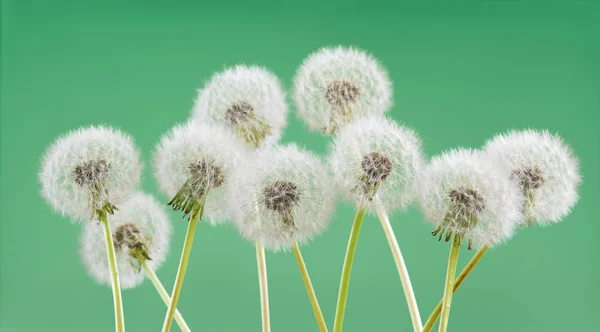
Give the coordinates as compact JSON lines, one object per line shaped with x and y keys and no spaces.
{"x":374,"y":161}
{"x":89,"y":170}
{"x":193,"y":162}
{"x":281,"y":196}
{"x":333,"y":86}
{"x":248,"y":101}
{"x":140,"y":229}
{"x":544,"y":167}
{"x":462,"y":194}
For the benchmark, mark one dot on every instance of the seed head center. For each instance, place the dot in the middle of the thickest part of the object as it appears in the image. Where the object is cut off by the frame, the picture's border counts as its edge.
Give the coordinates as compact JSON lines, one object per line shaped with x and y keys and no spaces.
{"x":281,"y":196}
{"x":341,"y":93}
{"x":91,"y":172}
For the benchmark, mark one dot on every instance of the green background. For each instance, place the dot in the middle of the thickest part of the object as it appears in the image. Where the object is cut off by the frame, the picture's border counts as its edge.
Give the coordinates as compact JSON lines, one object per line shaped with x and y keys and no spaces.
{"x":461,"y":73}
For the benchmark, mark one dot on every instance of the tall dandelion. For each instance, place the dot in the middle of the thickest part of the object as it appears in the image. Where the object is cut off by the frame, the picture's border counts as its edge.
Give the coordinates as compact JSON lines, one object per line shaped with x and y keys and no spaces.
{"x":374,"y":162}
{"x":141,"y":233}
{"x":192,"y":165}
{"x":86,"y":175}
{"x":282,"y":198}
{"x":248,"y":100}
{"x":467,"y":199}
{"x":335,"y":85}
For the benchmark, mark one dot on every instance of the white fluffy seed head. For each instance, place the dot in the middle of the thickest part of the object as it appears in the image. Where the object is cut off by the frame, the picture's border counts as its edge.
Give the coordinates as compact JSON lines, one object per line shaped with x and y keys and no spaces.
{"x":140,"y":224}
{"x":201,"y":156}
{"x":374,"y":162}
{"x":88,"y":168}
{"x":335,"y":85}
{"x":462,"y":193}
{"x":282,"y":195}
{"x":544,"y":167}
{"x":248,"y":100}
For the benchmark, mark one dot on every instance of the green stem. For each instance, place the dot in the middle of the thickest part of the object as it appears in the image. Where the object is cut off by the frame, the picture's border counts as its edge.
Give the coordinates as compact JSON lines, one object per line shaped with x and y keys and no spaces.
{"x":264,"y":287}
{"x":163,"y":293}
{"x":409,"y":293}
{"x":346,"y":270}
{"x":183,"y":263}
{"x":449,"y":289}
{"x":309,"y":289}
{"x":112,"y":263}
{"x":459,"y":280}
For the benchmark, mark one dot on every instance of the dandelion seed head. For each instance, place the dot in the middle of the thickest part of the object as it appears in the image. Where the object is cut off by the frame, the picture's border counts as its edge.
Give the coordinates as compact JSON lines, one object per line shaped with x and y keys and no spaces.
{"x":140,"y":226}
{"x":198,"y":159}
{"x":89,"y":169}
{"x":281,"y":196}
{"x":248,"y":100}
{"x":461,"y":193}
{"x":335,"y":85}
{"x":544,"y":167}
{"x":374,"y":161}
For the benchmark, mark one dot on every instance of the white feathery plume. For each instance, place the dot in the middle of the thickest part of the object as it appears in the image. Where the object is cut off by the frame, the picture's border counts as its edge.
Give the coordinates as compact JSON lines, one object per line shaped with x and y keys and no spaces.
{"x":281,"y":196}
{"x":89,"y":170}
{"x":192,"y":159}
{"x":335,"y":85}
{"x":545,"y":169}
{"x":249,"y":100}
{"x":461,"y":193}
{"x":374,"y":161}
{"x":140,"y":227}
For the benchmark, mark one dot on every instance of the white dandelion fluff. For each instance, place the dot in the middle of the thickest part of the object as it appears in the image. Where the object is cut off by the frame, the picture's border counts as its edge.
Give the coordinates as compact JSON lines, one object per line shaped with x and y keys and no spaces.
{"x":374,"y":161}
{"x":335,"y":85}
{"x":90,"y":170}
{"x":545,"y":168}
{"x":193,"y":160}
{"x":282,"y":196}
{"x":247,"y":100}
{"x":140,"y":227}
{"x":461,"y":193}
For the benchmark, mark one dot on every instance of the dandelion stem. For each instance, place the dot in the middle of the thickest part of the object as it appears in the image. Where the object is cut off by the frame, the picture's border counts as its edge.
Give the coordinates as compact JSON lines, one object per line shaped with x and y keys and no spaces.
{"x":310,"y":290}
{"x":346,"y":270}
{"x":264,"y":287}
{"x":449,"y":289}
{"x":163,"y":293}
{"x":112,"y":263}
{"x":402,"y":270}
{"x":459,"y":280}
{"x":183,"y":263}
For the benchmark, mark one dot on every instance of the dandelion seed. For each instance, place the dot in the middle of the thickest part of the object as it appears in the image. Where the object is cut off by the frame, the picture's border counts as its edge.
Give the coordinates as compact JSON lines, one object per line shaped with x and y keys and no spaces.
{"x":141,"y":230}
{"x":281,"y":196}
{"x":193,"y":160}
{"x":373,"y":157}
{"x":89,"y":172}
{"x":545,"y":169}
{"x":462,"y":194}
{"x":247,"y":100}
{"x":336,"y":85}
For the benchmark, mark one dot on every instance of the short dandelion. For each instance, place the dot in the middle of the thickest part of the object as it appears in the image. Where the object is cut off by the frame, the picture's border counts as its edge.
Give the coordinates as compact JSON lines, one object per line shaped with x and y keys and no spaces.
{"x":248,"y":100}
{"x":335,"y":85}
{"x":374,"y":162}
{"x":141,"y":233}
{"x":192,"y":165}
{"x":467,"y":199}
{"x":282,"y":198}
{"x":86,"y":175}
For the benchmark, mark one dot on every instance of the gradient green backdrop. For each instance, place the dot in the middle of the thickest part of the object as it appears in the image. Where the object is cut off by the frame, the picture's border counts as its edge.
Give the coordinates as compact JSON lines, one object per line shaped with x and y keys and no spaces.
{"x":461,"y":73}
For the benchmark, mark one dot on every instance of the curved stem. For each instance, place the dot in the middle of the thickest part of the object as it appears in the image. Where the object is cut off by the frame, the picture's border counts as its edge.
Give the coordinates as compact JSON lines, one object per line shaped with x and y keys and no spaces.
{"x":264,"y":287}
{"x":346,"y":270}
{"x":459,"y":280}
{"x":449,"y":289}
{"x":413,"y":308}
{"x":163,"y":294}
{"x":112,"y":263}
{"x":309,"y":289}
{"x":183,"y":263}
